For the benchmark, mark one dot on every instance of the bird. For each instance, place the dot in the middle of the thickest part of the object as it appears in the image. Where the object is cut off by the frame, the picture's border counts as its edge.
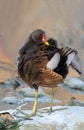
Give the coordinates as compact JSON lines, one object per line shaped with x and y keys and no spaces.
{"x":75,"y":64}
{"x":59,"y":60}
{"x":42,"y":63}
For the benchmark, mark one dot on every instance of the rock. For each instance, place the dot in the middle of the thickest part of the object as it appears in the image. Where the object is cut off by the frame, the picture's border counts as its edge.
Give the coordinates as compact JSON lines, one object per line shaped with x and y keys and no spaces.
{"x":74,"y":82}
{"x":3,"y":85}
{"x":75,"y":102}
{"x":64,"y":118}
{"x":74,"y":85}
{"x":7,"y":120}
{"x":28,"y":92}
{"x":42,"y":99}
{"x":6,"y":124}
{"x":29,"y":95}
{"x":11,"y":100}
{"x":13,"y":83}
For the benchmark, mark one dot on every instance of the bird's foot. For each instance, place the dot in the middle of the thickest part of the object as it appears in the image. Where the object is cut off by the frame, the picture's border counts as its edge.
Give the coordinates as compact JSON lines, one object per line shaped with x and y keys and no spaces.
{"x":45,"y":110}
{"x":49,"y":110}
{"x":26,"y":116}
{"x":57,"y":109}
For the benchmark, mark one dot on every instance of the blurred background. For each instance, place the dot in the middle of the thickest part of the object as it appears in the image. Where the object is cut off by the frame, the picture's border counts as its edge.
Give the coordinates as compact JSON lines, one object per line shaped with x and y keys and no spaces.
{"x":61,"y":19}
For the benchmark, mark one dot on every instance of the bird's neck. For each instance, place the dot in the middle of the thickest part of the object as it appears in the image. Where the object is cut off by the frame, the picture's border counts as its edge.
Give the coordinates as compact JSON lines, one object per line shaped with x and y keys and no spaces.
{"x":28,"y":47}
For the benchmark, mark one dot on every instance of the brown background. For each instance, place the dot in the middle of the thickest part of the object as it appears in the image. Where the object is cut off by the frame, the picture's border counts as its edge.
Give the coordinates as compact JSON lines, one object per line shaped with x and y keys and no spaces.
{"x":61,"y":19}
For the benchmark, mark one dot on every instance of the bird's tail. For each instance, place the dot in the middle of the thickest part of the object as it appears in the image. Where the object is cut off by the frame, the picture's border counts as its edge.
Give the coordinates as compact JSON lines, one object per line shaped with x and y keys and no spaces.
{"x":77,"y":65}
{"x":68,"y":54}
{"x":72,"y":59}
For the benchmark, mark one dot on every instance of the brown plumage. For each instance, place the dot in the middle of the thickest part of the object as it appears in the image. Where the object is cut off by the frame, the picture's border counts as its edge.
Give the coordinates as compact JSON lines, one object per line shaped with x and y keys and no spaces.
{"x":41,"y":63}
{"x":32,"y":65}
{"x":64,"y":52}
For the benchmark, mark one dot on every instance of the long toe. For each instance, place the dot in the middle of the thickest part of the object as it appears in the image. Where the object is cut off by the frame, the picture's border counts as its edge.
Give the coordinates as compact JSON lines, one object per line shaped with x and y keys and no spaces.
{"x":24,"y":115}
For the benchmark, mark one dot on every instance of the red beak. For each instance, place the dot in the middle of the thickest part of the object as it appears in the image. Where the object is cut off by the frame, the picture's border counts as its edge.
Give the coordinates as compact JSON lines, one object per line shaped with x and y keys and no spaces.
{"x":44,"y":40}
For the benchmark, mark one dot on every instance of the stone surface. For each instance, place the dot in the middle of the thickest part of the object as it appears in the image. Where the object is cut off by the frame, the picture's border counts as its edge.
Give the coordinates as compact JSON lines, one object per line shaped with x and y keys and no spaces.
{"x":11,"y":100}
{"x":64,"y":118}
{"x":74,"y":85}
{"x":7,"y":120}
{"x":74,"y":82}
{"x":28,"y":92}
{"x":75,"y":102}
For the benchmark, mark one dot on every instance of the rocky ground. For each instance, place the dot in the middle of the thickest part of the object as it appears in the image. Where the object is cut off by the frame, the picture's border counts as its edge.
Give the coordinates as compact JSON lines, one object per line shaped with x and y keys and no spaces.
{"x":68,"y":102}
{"x":64,"y":118}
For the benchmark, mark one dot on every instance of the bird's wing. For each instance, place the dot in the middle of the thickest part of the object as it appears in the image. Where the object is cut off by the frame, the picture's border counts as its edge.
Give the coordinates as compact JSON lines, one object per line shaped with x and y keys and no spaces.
{"x":48,"y":78}
{"x":54,"y":61}
{"x":69,"y":53}
{"x":76,"y":64}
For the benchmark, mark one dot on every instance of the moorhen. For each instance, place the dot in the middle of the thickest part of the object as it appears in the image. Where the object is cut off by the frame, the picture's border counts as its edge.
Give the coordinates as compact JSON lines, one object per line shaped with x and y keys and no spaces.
{"x":42,"y":63}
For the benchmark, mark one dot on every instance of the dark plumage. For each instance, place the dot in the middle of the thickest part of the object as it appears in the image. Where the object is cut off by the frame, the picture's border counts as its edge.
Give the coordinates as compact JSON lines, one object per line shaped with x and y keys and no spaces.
{"x":32,"y":63}
{"x":61,"y":68}
{"x":42,"y":63}
{"x":74,"y":63}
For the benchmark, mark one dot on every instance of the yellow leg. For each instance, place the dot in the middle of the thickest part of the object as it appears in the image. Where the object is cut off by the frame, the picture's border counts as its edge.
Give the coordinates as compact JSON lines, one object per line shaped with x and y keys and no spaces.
{"x":51,"y":103}
{"x":27,"y":116}
{"x":35,"y":102}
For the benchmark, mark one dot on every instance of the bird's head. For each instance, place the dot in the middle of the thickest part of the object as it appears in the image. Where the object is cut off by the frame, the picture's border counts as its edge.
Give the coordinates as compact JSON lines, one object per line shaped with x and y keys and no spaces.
{"x":39,"y":37}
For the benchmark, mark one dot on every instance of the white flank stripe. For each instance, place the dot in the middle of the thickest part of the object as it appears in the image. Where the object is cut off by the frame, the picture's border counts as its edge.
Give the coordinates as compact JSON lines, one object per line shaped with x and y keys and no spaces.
{"x":52,"y":64}
{"x":70,"y":58}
